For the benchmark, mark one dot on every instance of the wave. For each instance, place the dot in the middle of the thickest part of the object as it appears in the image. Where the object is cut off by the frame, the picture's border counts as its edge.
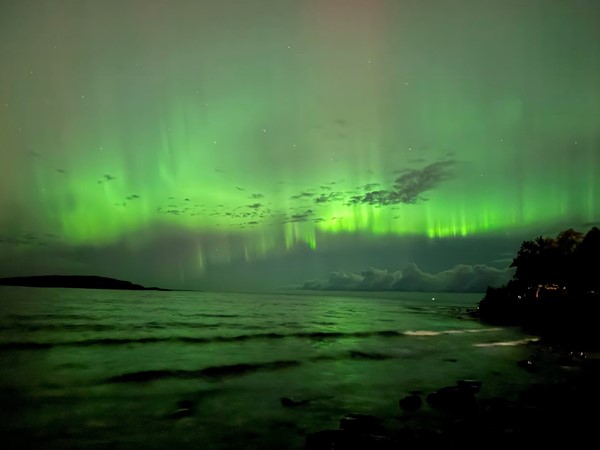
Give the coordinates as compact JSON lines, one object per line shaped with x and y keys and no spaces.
{"x":311,"y":335}
{"x":26,"y":345}
{"x":218,"y":373}
{"x":33,"y":327}
{"x":211,"y":315}
{"x":356,"y":354}
{"x":440,"y":332}
{"x":315,"y":335}
{"x":53,"y":316}
{"x":30,"y":326}
{"x":214,"y":373}
{"x":508,"y":343}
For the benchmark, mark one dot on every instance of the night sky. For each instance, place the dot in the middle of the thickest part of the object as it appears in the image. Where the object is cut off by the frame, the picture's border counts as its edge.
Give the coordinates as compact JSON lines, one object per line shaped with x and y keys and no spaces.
{"x":260,"y":144}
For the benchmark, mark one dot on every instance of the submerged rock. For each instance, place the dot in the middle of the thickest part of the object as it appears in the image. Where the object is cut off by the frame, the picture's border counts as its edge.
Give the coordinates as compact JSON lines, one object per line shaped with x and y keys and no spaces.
{"x":454,"y":398}
{"x":185,"y":408}
{"x":361,"y":424}
{"x":287,"y":402}
{"x":327,"y":440}
{"x":345,"y":440}
{"x":180,"y":413}
{"x":528,"y":365}
{"x":411,"y":402}
{"x":472,"y":385}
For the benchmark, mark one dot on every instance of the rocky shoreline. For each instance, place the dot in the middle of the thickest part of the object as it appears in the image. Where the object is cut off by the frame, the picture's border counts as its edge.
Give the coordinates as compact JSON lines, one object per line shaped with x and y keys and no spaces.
{"x":457,"y":416}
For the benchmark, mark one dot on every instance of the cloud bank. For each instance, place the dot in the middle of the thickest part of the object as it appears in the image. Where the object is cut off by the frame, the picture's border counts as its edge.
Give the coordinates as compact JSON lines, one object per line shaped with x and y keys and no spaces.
{"x":460,"y":278}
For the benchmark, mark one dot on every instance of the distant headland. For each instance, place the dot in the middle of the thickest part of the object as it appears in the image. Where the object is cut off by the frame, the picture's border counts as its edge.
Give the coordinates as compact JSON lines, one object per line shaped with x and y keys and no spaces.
{"x":76,"y":281}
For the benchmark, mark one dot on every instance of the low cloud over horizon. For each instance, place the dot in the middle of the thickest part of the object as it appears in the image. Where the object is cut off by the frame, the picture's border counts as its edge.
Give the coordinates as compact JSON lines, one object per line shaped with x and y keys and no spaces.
{"x":460,"y":278}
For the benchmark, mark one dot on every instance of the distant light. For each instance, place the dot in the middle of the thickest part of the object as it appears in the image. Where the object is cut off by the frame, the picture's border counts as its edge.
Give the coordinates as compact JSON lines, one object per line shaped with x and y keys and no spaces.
{"x":433,"y":298}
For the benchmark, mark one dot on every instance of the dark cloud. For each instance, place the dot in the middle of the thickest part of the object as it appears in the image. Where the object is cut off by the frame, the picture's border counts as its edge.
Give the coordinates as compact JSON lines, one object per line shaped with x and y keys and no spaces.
{"x":255,"y":205}
{"x":368,"y":186}
{"x":329,"y":197}
{"x":412,"y":184}
{"x":408,"y":187}
{"x":257,"y":196}
{"x":301,"y":217}
{"x":302,"y":195}
{"x":461,"y":278}
{"x":133,"y":197}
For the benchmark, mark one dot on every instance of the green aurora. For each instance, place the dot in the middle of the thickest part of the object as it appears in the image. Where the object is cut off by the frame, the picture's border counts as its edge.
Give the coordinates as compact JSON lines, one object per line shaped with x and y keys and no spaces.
{"x":258,"y":128}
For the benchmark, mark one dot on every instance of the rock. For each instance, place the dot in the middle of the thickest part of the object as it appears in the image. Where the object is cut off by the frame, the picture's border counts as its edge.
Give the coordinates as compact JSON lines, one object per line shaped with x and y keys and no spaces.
{"x":327,"y":440}
{"x":185,"y":403}
{"x":287,"y":402}
{"x":344,"y":440}
{"x":411,"y":402}
{"x":528,"y":365}
{"x":473,"y":385}
{"x":453,"y":398}
{"x":185,"y":408}
{"x":495,"y":406}
{"x":181,"y":413}
{"x":361,"y":424}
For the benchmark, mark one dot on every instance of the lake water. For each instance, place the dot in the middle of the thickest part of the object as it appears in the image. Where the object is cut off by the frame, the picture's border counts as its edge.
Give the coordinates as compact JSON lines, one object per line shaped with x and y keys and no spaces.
{"x":117,"y":369}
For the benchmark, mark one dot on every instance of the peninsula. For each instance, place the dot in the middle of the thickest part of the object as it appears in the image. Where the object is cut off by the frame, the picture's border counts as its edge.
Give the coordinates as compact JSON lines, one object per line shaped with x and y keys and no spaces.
{"x":76,"y":281}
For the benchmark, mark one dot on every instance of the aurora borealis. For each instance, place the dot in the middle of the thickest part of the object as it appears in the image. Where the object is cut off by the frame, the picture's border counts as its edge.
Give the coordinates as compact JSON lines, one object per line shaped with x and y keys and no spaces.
{"x":171,"y":141}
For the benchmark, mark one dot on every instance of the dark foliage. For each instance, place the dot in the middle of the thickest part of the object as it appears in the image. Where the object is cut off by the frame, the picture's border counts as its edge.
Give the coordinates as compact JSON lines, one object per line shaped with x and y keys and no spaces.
{"x":555,"y":290}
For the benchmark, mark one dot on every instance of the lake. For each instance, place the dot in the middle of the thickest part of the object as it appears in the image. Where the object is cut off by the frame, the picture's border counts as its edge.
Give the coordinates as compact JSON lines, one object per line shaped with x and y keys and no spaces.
{"x":147,"y":369}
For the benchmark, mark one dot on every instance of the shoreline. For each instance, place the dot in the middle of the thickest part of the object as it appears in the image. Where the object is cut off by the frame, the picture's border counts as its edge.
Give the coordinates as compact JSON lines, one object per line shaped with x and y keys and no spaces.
{"x":540,"y":413}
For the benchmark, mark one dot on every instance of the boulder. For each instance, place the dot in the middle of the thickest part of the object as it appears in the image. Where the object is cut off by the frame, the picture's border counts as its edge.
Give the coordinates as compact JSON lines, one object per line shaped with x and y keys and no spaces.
{"x":528,"y":365}
{"x":361,"y":424}
{"x":327,"y":440}
{"x":472,"y":385}
{"x":345,"y":440}
{"x":411,"y":402}
{"x":185,"y":408}
{"x":454,"y":398}
{"x":287,"y":402}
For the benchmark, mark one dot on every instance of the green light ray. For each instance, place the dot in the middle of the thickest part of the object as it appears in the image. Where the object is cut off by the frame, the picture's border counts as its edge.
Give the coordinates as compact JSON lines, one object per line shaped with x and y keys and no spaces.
{"x":261,"y":130}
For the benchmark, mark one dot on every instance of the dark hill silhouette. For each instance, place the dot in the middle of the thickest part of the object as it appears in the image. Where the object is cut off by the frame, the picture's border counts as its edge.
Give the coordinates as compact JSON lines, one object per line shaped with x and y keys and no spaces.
{"x":75,"y":281}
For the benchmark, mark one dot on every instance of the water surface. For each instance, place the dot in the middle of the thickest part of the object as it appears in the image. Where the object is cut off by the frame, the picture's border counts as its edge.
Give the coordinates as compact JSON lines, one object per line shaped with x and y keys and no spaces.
{"x":124,"y":370}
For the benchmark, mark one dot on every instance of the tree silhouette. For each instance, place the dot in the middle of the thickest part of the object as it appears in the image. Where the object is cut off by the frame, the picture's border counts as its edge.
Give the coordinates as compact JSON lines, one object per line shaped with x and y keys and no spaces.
{"x":547,"y":260}
{"x":555,"y":289}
